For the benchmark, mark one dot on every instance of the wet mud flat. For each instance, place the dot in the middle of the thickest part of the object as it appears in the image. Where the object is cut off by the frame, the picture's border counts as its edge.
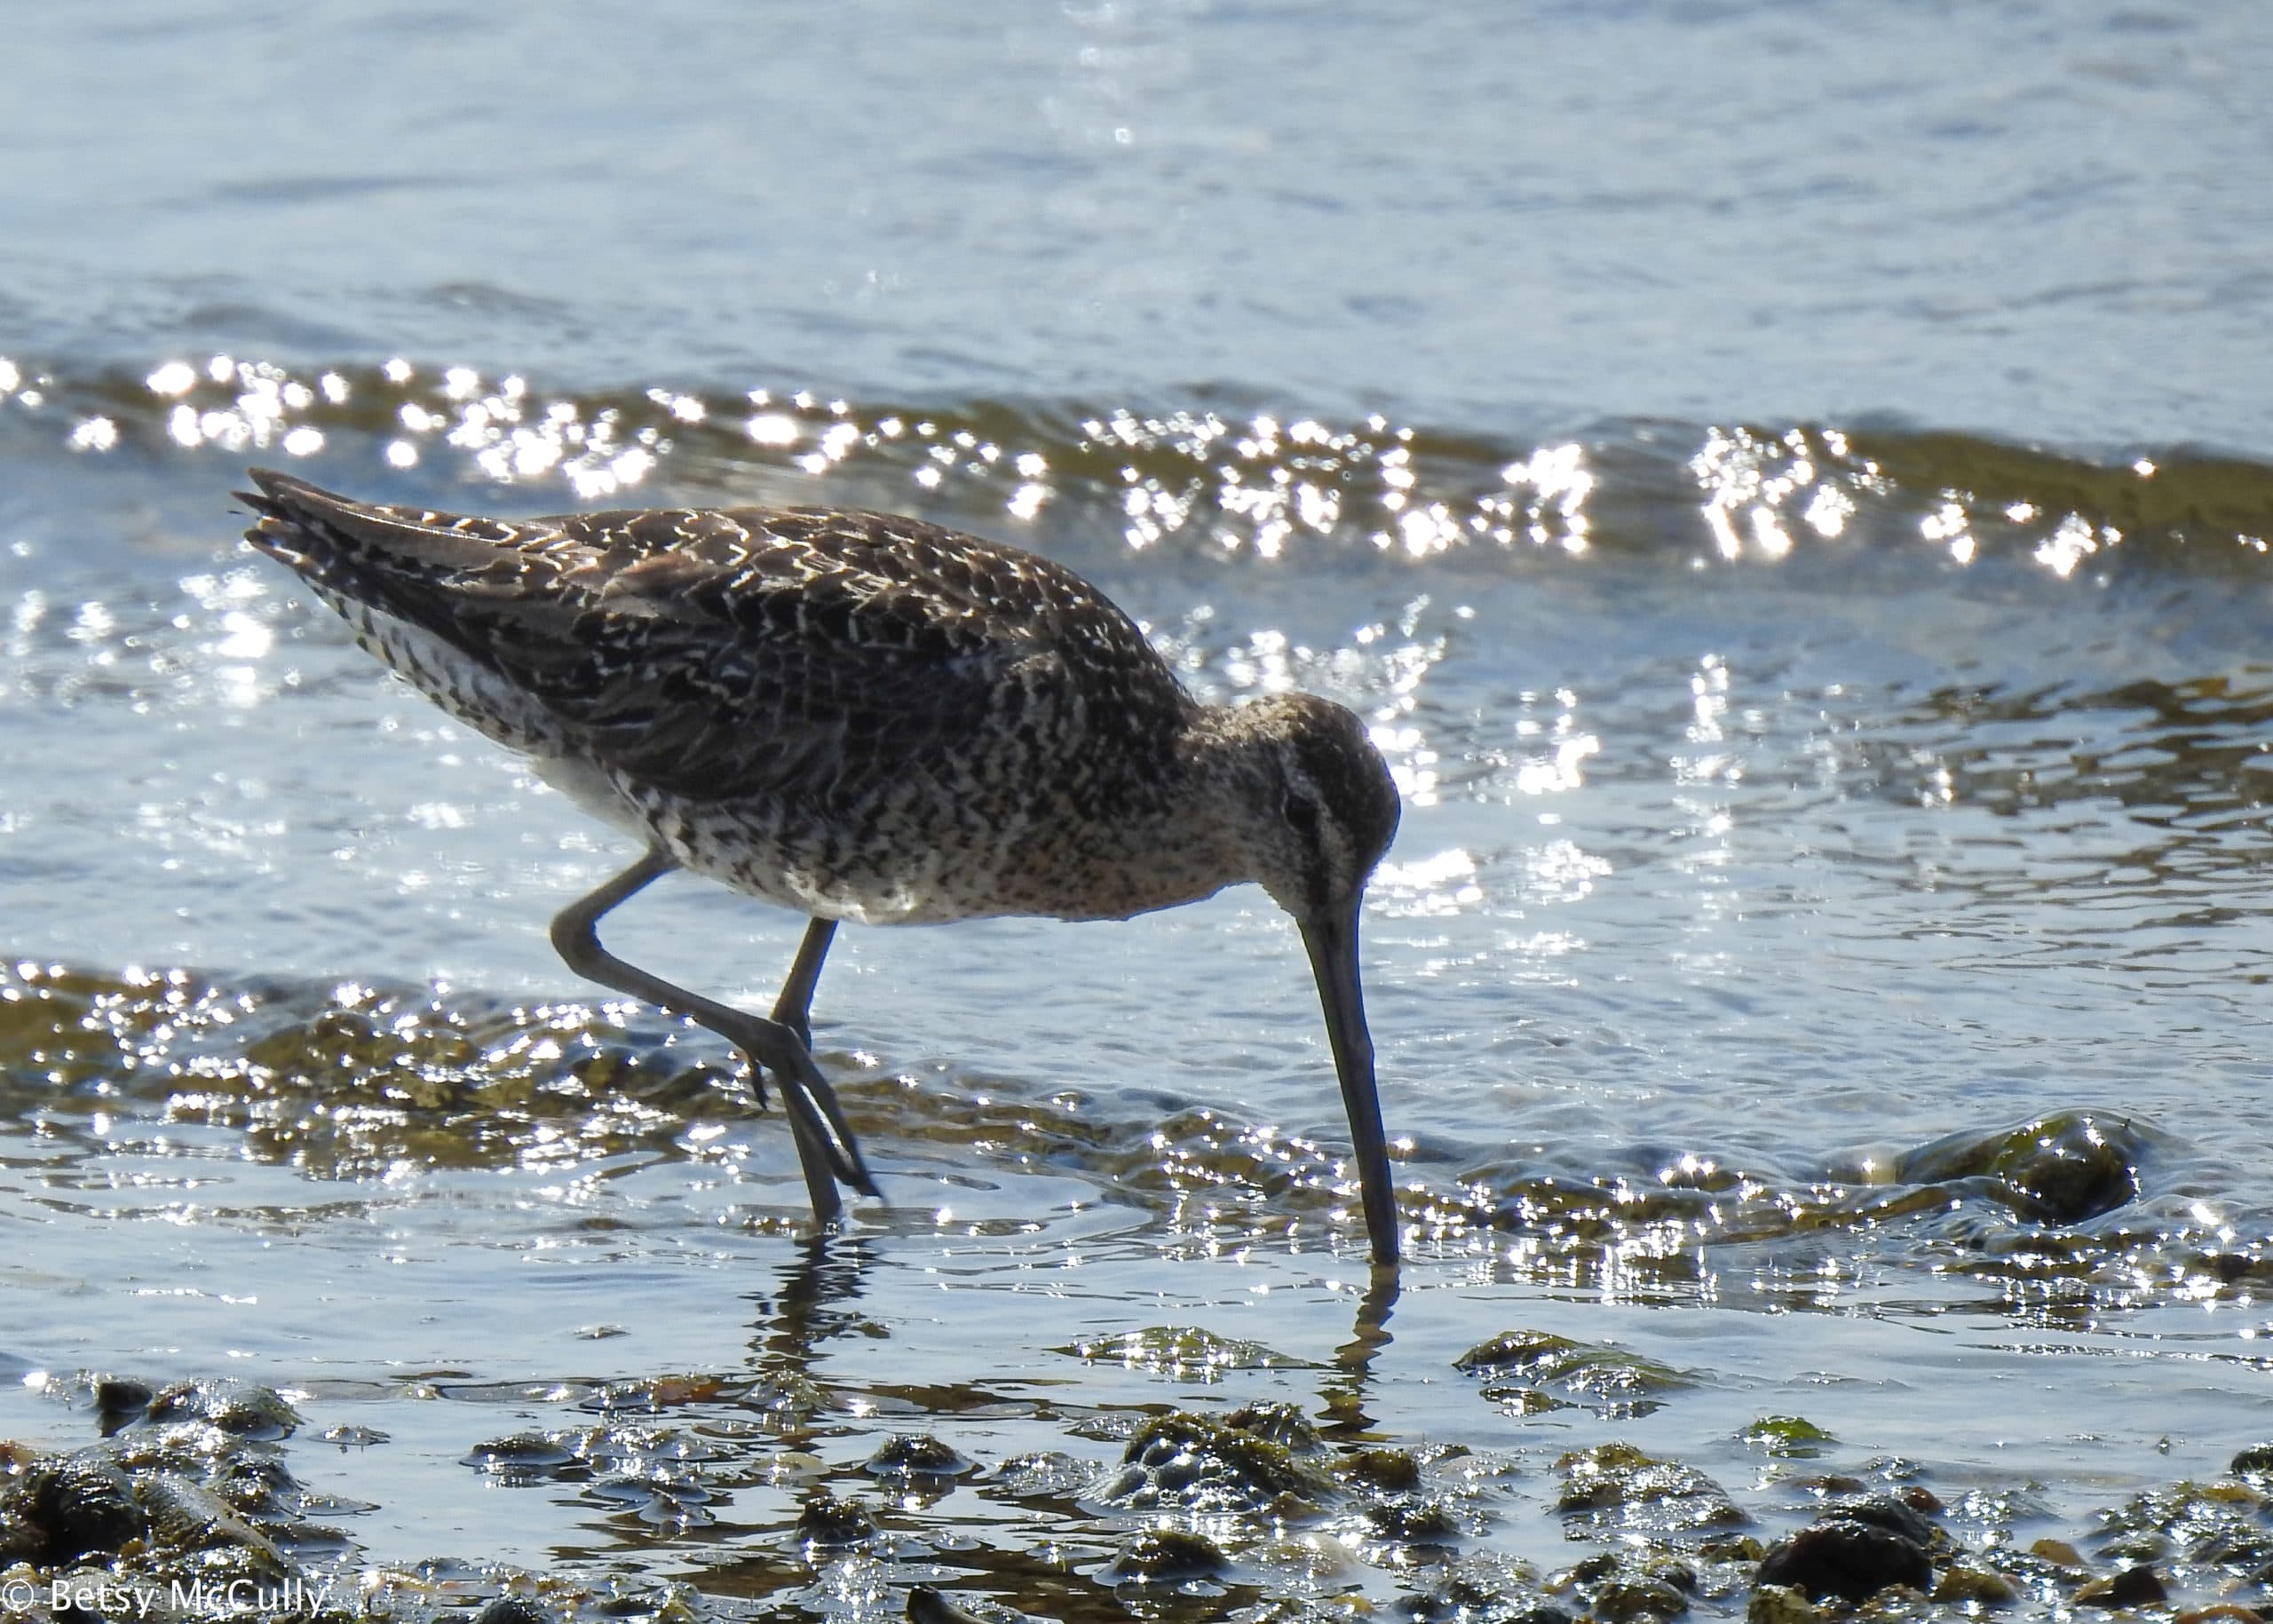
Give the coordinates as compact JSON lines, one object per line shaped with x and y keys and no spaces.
{"x":909,"y":1427}
{"x":189,"y":1507}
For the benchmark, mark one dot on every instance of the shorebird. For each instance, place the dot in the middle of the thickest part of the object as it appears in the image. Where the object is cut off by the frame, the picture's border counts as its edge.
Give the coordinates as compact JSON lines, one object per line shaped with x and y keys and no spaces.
{"x":860,"y":717}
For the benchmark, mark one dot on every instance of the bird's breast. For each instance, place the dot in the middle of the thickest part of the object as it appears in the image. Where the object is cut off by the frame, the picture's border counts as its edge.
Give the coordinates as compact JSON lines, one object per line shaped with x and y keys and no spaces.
{"x":917,"y":859}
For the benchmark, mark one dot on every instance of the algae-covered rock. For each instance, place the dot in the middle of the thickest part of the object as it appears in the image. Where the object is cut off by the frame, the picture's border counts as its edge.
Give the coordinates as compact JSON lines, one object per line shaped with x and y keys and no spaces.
{"x":522,"y":1457}
{"x":1630,"y":1584}
{"x":1617,"y":1485}
{"x":1788,"y":1436}
{"x":1197,"y":1463}
{"x":1781,"y":1605}
{"x":2064,"y":1169}
{"x":785,"y":1399}
{"x":831,"y":1524}
{"x":660,"y":1495}
{"x":1622,"y":1600}
{"x":1425,"y":1522}
{"x":1964,"y":1584}
{"x":1165,"y":1556}
{"x":88,"y":1507}
{"x":187,"y":1515}
{"x":1394,"y":1471}
{"x":916,"y":1456}
{"x":67,"y":1508}
{"x":1045,"y":1475}
{"x":1484,"y":1589}
{"x":2216,"y":1525}
{"x":244,"y":1409}
{"x":515,"y":1609}
{"x":2072,"y":1167}
{"x":1514,"y":1363}
{"x":1283,"y":1424}
{"x":1182,"y":1353}
{"x":652,"y":1395}
{"x":258,"y":1485}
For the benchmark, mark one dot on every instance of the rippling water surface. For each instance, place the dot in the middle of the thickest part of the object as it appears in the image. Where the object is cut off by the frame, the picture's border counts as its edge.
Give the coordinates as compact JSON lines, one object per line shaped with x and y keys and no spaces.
{"x":1791,"y":491}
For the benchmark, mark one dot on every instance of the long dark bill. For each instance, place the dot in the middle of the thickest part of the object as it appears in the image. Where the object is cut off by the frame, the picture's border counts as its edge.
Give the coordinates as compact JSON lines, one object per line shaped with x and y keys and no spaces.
{"x":1333,"y":943}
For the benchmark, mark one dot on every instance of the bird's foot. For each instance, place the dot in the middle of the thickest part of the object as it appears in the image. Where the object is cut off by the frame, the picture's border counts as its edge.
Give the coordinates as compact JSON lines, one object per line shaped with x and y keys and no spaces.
{"x":830,"y":1153}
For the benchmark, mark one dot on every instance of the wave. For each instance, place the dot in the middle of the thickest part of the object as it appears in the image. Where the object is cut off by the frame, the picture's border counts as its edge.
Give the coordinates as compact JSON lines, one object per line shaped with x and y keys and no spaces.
{"x":1204,"y":478}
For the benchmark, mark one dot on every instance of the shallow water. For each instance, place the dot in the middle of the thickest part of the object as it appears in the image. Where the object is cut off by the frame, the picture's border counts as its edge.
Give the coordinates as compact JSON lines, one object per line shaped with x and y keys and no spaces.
{"x":1791,"y":490}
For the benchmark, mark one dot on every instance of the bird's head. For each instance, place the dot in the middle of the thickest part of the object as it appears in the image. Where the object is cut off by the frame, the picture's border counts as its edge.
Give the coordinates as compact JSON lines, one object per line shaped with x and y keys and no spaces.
{"x":1322,"y":807}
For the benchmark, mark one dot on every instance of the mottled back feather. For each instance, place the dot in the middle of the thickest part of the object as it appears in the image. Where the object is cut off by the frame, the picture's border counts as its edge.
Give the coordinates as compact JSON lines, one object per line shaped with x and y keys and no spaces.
{"x":798,"y":654}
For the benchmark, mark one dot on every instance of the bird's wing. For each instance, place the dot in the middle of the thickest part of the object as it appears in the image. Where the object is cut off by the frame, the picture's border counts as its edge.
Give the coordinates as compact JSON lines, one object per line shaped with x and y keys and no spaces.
{"x":716,"y":654}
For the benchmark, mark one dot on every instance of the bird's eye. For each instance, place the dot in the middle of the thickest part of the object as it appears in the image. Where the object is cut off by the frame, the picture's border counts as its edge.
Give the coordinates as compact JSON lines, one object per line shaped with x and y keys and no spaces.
{"x":1302,"y":813}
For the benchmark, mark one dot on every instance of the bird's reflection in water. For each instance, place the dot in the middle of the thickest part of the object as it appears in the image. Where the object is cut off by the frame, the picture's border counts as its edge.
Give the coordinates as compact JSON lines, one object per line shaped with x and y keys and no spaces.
{"x":1343,"y":1392}
{"x":812,"y":1304}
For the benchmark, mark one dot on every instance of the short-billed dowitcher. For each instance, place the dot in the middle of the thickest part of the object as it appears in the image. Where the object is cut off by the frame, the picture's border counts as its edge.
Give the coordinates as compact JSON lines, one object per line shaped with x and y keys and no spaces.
{"x":865,"y":717}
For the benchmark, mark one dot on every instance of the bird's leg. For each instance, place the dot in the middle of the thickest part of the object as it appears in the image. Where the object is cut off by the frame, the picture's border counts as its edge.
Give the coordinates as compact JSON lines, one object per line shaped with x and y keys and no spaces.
{"x":794,"y":1009}
{"x":825,"y":1148}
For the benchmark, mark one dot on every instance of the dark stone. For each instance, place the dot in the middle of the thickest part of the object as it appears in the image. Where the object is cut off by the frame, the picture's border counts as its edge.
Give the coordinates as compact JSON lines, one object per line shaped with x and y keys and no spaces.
{"x":76,"y":1505}
{"x":2134,"y":1586}
{"x":2253,"y":1465}
{"x":514,"y":1609}
{"x":117,"y":1395}
{"x":1851,"y":1559}
{"x":927,"y":1605}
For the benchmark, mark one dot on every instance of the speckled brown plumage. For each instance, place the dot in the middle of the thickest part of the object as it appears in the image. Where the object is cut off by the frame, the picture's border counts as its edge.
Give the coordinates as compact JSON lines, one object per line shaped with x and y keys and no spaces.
{"x":859,"y":715}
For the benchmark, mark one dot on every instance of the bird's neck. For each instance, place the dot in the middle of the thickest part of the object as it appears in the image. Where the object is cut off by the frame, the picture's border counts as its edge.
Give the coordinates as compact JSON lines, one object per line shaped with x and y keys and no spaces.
{"x":1209,"y":801}
{"x":1146,"y":843}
